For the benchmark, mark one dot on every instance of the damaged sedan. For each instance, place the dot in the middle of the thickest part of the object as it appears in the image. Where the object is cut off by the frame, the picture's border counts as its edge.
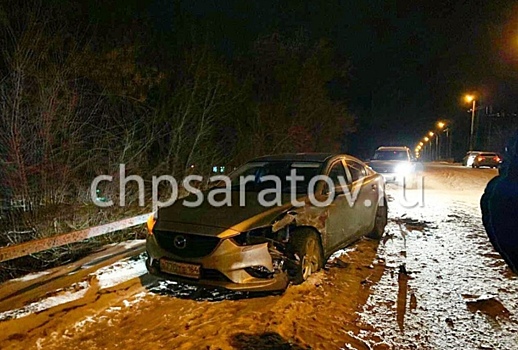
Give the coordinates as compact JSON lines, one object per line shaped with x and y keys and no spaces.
{"x":248,"y":245}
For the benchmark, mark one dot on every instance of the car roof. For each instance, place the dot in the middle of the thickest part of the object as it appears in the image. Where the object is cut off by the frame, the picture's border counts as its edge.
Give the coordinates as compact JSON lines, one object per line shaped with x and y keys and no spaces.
{"x":478,"y":152}
{"x":392,"y":148}
{"x":297,"y":157}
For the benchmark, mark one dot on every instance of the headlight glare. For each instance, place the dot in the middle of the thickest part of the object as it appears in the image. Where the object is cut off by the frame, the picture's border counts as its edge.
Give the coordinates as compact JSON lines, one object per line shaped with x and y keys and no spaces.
{"x":404,"y":168}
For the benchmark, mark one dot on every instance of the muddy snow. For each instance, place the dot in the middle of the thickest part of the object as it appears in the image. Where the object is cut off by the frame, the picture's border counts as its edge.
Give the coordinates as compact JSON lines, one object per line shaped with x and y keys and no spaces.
{"x":433,"y":282}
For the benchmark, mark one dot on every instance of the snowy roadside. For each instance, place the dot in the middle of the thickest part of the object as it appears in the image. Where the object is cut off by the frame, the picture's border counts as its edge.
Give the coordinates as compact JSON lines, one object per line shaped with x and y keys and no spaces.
{"x":103,"y":266}
{"x":444,"y":286}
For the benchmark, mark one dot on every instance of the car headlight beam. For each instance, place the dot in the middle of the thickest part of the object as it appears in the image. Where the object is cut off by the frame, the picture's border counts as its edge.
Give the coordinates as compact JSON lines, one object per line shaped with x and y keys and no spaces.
{"x":404,"y":168}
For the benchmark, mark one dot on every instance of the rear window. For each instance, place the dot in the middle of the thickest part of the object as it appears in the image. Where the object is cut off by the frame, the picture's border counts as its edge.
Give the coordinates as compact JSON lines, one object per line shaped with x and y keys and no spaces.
{"x":488,"y":154}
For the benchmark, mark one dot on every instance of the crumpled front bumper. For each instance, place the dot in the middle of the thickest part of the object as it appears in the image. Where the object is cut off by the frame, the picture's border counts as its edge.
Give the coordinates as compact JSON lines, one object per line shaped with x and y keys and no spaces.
{"x":222,"y":268}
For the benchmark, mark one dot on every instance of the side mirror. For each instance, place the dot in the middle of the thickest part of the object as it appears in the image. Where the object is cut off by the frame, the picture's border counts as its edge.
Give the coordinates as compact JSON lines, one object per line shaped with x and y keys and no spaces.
{"x":339,"y":191}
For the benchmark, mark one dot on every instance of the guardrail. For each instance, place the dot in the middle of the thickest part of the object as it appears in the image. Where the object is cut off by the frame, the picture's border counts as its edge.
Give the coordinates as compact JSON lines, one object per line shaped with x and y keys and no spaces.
{"x":35,"y":246}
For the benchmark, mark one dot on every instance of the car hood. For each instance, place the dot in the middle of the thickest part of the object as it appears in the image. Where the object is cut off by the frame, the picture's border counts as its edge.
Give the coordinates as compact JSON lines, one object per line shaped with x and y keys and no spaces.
{"x":220,"y":221}
{"x":385,"y":165}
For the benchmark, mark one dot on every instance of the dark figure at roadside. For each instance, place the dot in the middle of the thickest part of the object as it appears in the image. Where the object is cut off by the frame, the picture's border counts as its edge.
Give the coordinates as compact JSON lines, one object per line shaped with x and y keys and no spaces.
{"x":499,"y":205}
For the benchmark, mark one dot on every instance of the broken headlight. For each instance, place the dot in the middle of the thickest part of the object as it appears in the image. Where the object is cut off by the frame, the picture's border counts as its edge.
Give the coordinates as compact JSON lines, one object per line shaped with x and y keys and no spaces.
{"x":257,"y":236}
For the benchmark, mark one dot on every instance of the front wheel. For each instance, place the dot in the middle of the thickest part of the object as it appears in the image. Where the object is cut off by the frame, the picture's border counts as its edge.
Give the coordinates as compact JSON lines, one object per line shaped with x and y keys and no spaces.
{"x":380,"y":221}
{"x":306,"y":244}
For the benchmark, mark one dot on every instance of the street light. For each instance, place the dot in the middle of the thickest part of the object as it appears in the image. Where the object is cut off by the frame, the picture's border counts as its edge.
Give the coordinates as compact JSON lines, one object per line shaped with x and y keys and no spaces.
{"x":431,"y":133}
{"x":469,"y":99}
{"x":440,"y":126}
{"x":425,"y":140}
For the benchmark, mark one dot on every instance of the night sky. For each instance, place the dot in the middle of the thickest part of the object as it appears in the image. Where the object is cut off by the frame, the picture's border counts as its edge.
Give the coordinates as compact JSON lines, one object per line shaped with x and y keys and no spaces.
{"x":410,"y":61}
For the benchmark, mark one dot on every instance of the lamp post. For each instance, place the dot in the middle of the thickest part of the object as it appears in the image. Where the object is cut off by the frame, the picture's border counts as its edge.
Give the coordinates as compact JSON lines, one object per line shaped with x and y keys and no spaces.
{"x":432,"y":158}
{"x":440,"y":126}
{"x":448,"y":142}
{"x":471,"y":98}
{"x":425,"y":140}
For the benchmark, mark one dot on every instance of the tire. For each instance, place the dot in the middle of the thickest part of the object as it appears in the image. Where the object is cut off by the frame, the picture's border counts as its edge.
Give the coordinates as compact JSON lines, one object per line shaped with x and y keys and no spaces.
{"x":380,"y":221}
{"x":306,"y":244}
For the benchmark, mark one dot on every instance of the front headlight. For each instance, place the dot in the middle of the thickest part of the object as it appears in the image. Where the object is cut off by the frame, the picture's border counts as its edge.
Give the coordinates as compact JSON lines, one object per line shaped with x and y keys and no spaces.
{"x":404,"y":168}
{"x":256,"y":236}
{"x":151,"y":222}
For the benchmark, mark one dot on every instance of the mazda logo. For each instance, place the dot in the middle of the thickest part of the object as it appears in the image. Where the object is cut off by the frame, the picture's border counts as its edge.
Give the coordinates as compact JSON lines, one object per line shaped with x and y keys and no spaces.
{"x":180,"y":242}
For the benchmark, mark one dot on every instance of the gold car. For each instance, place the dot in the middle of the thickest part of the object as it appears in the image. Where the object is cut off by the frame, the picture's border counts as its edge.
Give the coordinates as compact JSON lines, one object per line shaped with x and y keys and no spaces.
{"x":249,"y":245}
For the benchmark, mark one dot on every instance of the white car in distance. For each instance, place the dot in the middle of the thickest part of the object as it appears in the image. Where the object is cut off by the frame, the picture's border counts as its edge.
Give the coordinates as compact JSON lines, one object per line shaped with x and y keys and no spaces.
{"x":395,"y":164}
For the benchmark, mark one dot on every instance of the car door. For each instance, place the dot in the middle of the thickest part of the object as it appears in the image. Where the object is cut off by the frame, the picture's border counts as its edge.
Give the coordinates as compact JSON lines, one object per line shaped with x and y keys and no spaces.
{"x":364,"y":193}
{"x":340,"y":214}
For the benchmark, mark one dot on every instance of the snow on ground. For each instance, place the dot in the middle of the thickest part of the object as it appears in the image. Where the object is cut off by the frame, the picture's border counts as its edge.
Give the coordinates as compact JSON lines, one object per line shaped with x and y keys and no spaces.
{"x":105,"y":277}
{"x":444,"y":286}
{"x":434,"y":282}
{"x":62,"y":296}
{"x":457,"y":182}
{"x":459,"y":178}
{"x":31,"y":276}
{"x":120,"y":272}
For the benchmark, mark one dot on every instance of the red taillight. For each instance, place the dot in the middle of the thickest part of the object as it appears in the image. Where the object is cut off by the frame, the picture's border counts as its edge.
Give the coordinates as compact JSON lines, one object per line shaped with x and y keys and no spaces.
{"x":497,"y":159}
{"x":480,"y":159}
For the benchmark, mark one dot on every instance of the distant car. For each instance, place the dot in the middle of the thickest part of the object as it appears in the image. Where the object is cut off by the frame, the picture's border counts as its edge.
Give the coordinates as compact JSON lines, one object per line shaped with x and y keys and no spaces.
{"x":251,"y":247}
{"x":486,"y":159}
{"x":395,"y":164}
{"x":469,"y":158}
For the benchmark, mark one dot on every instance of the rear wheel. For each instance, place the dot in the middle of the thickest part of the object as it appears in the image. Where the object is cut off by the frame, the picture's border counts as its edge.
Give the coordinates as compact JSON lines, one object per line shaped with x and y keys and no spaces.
{"x":380,"y":222}
{"x":306,"y":244}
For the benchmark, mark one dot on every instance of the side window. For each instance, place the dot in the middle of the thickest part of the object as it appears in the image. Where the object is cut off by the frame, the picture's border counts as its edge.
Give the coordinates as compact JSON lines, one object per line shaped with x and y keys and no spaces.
{"x":336,"y":173}
{"x":357,"y":170}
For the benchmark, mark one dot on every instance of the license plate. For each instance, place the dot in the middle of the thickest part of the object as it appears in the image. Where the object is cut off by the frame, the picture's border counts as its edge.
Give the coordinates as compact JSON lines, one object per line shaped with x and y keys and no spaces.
{"x":180,"y":269}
